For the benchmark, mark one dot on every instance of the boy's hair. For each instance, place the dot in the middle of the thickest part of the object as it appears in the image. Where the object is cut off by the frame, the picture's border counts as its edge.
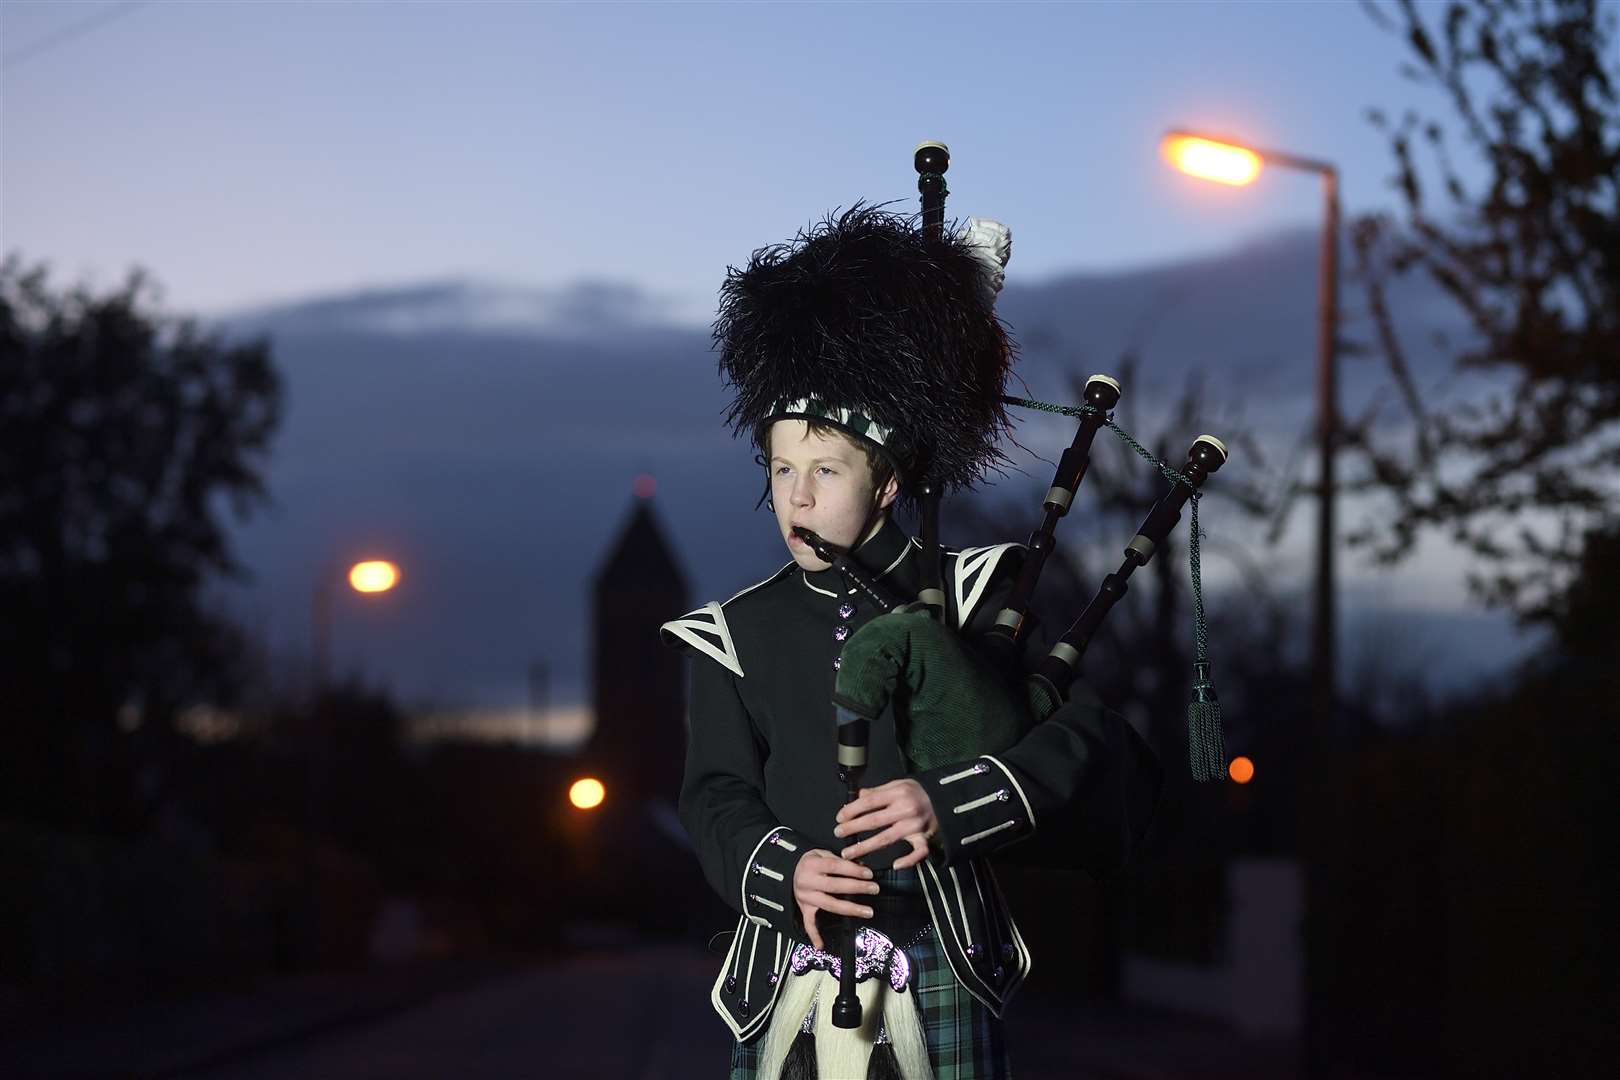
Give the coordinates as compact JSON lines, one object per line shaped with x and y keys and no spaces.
{"x":881,"y":468}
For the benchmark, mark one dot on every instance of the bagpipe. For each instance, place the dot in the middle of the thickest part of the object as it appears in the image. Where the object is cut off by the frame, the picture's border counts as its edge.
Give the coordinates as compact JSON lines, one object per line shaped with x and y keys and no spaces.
{"x":958,"y":698}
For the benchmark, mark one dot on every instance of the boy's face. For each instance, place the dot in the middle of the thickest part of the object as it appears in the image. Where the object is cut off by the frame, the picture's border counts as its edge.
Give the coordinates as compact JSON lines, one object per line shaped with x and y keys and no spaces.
{"x":824,"y":483}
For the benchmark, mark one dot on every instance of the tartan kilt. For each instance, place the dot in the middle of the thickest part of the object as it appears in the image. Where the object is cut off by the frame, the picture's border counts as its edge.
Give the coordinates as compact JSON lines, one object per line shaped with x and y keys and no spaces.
{"x":965,"y":1040}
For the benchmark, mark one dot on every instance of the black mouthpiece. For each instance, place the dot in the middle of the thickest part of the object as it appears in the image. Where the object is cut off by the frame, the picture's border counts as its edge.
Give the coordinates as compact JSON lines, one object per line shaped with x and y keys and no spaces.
{"x":824,"y":551}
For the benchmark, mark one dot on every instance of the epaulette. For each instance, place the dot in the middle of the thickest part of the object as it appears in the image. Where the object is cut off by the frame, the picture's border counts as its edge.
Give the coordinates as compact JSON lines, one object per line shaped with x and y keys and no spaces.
{"x":971,"y":573}
{"x":705,"y":629}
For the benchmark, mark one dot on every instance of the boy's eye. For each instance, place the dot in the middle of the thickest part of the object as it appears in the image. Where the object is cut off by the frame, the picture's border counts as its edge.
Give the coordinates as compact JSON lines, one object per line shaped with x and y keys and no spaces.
{"x":828,"y":470}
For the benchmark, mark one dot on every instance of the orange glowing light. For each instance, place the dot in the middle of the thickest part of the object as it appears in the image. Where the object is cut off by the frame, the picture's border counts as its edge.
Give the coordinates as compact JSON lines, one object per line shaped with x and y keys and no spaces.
{"x":1241,"y":770}
{"x":1210,"y":160}
{"x":587,"y":794}
{"x":374,"y":576}
{"x":645,"y":485}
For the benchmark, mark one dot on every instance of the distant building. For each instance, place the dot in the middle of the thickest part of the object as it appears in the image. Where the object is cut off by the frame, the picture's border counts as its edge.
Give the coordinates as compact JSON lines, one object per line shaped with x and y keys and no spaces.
{"x":638,"y":684}
{"x":634,"y":838}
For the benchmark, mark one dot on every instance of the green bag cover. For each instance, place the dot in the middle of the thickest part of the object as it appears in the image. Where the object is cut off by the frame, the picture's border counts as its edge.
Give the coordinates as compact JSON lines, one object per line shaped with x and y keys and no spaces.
{"x":950,"y":703}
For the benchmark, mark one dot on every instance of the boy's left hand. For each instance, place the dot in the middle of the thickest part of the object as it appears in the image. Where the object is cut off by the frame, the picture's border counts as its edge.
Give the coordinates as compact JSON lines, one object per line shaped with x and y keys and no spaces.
{"x":901,"y":809}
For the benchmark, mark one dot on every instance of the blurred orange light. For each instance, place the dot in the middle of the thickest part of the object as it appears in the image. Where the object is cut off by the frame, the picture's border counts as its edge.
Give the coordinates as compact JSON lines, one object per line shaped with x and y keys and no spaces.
{"x":1210,"y":160}
{"x":374,"y":576}
{"x":1241,"y":770}
{"x":587,"y":794}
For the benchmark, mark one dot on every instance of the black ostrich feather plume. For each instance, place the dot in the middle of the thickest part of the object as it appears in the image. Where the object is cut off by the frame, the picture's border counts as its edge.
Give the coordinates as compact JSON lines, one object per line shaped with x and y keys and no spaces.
{"x":865,"y":311}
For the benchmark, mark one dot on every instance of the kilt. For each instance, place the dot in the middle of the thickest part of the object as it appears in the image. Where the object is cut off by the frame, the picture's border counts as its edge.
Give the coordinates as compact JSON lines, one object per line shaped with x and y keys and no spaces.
{"x":965,"y":1039}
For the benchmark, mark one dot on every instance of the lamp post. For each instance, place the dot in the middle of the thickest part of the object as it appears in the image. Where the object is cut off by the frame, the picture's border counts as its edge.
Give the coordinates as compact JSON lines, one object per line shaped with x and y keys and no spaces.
{"x":1229,"y":162}
{"x":371,"y":576}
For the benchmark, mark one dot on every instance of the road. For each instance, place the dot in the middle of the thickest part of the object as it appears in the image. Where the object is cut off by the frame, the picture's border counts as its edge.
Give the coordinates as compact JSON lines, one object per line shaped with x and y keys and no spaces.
{"x":630,"y":1013}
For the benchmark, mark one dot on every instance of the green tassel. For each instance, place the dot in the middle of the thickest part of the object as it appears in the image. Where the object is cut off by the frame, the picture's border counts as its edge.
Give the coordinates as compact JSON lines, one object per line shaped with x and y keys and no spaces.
{"x":1206,"y":745}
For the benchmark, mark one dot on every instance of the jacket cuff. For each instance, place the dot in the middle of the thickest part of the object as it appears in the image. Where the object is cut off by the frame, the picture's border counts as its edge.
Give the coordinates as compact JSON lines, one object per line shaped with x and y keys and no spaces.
{"x":980,"y":807}
{"x":767,"y":881}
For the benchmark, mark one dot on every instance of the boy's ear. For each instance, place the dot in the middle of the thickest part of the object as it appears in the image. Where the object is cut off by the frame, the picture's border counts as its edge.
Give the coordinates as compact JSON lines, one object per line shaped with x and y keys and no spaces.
{"x":888,"y":493}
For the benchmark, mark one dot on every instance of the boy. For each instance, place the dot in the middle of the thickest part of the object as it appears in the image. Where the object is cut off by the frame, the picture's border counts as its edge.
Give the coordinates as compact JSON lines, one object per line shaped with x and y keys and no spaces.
{"x":866,"y":356}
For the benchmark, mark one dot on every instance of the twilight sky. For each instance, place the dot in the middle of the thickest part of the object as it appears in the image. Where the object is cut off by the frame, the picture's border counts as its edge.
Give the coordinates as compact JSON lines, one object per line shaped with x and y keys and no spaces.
{"x":249,"y":152}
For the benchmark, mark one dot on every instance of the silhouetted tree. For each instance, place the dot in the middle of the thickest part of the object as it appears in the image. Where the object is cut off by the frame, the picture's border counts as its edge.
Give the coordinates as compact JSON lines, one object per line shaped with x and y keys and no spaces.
{"x":1531,"y":261}
{"x":126,"y":437}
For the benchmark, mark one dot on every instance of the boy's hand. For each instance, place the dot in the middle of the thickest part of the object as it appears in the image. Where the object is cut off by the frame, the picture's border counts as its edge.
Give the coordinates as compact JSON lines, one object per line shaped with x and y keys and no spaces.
{"x":819,"y":878}
{"x":902,"y":809}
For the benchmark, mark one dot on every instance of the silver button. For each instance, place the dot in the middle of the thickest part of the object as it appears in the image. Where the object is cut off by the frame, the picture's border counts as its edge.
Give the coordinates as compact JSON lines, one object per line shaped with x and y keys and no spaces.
{"x":846,"y":610}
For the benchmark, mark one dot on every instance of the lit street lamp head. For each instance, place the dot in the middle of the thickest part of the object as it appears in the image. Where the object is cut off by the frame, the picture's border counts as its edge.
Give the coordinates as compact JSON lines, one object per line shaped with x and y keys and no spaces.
{"x":374,"y":576}
{"x":1209,"y":159}
{"x":587,"y":794}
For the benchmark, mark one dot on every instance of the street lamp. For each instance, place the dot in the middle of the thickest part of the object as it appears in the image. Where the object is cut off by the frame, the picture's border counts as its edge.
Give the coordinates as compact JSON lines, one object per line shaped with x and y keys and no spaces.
{"x":1201,"y":155}
{"x":1230,"y":162}
{"x":587,"y":794}
{"x":369,"y":577}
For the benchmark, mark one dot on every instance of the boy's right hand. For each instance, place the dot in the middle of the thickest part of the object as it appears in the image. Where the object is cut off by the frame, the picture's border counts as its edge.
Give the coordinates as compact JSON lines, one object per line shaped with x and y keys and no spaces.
{"x":819,"y":879}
